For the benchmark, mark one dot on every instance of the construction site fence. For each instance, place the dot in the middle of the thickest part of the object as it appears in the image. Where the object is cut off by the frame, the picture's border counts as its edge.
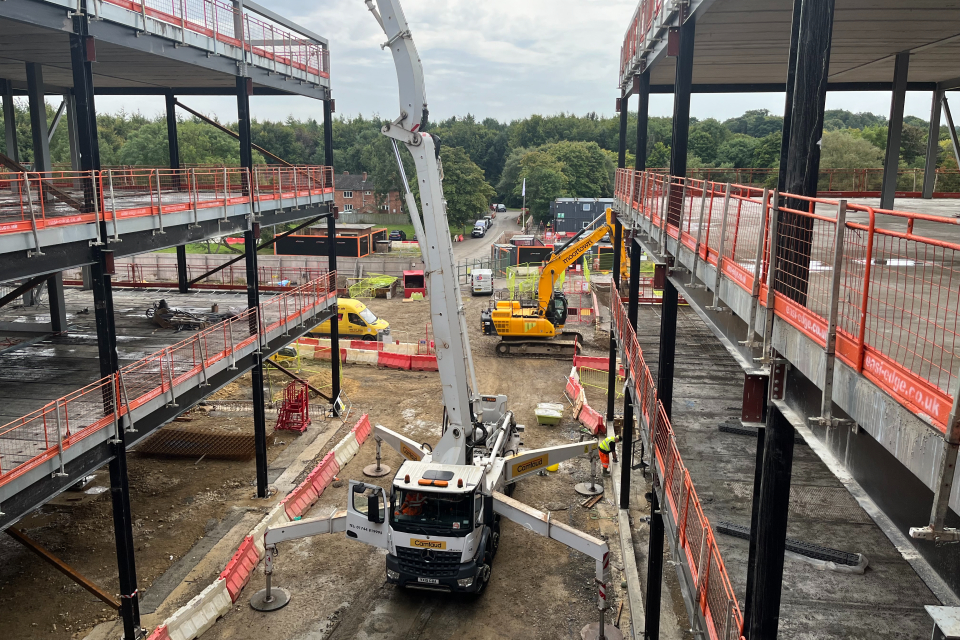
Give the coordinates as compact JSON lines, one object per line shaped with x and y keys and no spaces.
{"x":710,"y":590}
{"x":233,"y":277}
{"x":256,"y":34}
{"x":899,"y":284}
{"x":845,"y":183}
{"x":31,"y":201}
{"x":46,"y":433}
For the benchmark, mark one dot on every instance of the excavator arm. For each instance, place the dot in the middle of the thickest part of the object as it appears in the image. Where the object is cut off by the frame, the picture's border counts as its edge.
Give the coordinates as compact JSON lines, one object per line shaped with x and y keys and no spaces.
{"x":572,"y":251}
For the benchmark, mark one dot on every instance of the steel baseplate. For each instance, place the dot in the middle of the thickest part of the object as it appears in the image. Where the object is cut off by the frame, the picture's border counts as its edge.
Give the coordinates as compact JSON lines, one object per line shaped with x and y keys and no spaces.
{"x":592,"y":632}
{"x":589,"y":488}
{"x":279,"y":598}
{"x":376,"y":470}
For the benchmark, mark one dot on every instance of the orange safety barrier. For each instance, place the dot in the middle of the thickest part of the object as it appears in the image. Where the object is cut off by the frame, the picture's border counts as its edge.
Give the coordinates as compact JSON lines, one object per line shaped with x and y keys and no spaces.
{"x":366,"y":345}
{"x":898,"y":301}
{"x":299,"y":501}
{"x":102,"y":404}
{"x":160,"y":633}
{"x":362,"y":429}
{"x":424,"y":363}
{"x":241,"y":566}
{"x":394,"y":360}
{"x":31,"y":201}
{"x":573,"y":387}
{"x":591,"y":419}
{"x":218,"y":19}
{"x":324,"y":473}
{"x":324,"y":353}
{"x":714,"y":596}
{"x":594,"y":362}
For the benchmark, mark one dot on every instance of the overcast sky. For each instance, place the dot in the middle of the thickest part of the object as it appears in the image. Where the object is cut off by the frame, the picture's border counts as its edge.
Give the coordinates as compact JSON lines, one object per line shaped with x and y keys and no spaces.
{"x":504,"y":59}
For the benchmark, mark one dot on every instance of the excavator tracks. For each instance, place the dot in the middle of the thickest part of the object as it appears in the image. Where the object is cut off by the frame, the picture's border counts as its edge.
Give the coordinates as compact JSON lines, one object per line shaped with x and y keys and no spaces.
{"x":543,"y":348}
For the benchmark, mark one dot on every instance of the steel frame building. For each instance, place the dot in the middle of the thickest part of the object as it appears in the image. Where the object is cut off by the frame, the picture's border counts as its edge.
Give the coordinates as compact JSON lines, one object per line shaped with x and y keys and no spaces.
{"x":55,"y":220}
{"x":857,"y":381}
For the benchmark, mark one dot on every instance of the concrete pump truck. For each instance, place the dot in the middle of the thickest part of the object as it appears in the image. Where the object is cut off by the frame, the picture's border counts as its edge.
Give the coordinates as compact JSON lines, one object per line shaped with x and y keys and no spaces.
{"x":440,"y":521}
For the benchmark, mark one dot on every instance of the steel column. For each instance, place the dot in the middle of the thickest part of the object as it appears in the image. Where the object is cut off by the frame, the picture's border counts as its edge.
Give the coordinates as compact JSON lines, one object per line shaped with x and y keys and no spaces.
{"x":642,"y":89}
{"x":10,"y":121}
{"x":801,"y":165}
{"x":71,"y":116}
{"x":335,"y":363}
{"x":173,"y":145}
{"x":633,"y":303}
{"x":771,"y":525}
{"x":754,"y":516}
{"x":38,"y":117}
{"x":891,"y":163}
{"x":183,"y":283}
{"x":668,"y":345}
{"x":250,"y":242}
{"x":119,"y":486}
{"x":82,"y":55}
{"x":683,"y":85}
{"x":614,"y":295}
{"x":58,"y":308}
{"x":788,"y":101}
{"x":933,"y":146}
{"x":332,"y":254}
{"x":622,"y":148}
{"x":651,"y":606}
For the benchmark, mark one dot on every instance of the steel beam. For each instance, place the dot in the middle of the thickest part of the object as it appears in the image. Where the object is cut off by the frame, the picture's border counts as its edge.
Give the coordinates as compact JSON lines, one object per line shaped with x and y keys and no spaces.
{"x":10,"y":121}
{"x":933,"y":146}
{"x":891,"y":162}
{"x":802,"y":162}
{"x":38,"y":117}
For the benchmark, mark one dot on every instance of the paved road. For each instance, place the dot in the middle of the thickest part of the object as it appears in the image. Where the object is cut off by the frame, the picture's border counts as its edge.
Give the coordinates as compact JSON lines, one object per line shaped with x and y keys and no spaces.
{"x":479,"y":248}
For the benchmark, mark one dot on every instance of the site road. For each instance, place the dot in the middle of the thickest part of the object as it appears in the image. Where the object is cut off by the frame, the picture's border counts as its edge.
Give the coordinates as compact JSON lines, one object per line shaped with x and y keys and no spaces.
{"x":479,"y":248}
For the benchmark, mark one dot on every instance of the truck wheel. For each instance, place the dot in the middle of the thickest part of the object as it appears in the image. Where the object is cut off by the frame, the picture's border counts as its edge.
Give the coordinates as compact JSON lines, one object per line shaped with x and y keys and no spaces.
{"x":484,"y":577}
{"x":494,"y":541}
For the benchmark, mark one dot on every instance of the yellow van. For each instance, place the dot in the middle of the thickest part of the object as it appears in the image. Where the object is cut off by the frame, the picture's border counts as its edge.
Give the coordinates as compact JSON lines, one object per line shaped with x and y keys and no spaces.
{"x":355,"y":321}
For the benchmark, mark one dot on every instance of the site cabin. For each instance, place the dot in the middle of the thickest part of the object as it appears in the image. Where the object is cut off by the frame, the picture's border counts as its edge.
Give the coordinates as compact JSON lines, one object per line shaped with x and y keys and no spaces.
{"x":353,"y":241}
{"x":570,"y":215}
{"x":354,"y":320}
{"x":414,"y":281}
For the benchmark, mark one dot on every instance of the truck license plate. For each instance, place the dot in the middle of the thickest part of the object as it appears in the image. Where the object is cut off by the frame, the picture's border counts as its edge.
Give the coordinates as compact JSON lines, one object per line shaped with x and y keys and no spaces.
{"x":428,"y":580}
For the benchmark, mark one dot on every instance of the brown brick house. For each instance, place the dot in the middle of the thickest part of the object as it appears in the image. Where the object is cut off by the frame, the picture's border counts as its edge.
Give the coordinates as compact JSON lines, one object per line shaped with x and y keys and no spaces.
{"x":356,"y":192}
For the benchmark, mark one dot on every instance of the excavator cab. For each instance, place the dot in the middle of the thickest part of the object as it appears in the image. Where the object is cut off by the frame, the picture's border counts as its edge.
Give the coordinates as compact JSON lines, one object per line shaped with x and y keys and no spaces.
{"x":557,"y":309}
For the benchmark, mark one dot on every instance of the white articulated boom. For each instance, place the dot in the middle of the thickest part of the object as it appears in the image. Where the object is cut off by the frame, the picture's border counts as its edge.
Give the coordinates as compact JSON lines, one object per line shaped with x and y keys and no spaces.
{"x":440,"y":520}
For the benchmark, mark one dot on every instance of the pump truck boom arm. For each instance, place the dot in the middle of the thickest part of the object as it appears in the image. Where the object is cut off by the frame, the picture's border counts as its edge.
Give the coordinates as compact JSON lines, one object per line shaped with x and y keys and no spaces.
{"x":454,"y":359}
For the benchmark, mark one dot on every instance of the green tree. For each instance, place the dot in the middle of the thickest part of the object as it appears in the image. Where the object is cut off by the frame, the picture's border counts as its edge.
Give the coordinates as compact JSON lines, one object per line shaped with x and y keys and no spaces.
{"x":466,"y":191}
{"x":545,"y":182}
{"x":737,"y":151}
{"x":767,"y":151}
{"x":659,"y":157}
{"x":584,"y":166}
{"x":843,"y":150}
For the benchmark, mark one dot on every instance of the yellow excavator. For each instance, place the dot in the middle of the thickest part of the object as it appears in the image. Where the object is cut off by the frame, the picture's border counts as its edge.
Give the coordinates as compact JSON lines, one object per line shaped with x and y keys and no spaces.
{"x":533,"y":330}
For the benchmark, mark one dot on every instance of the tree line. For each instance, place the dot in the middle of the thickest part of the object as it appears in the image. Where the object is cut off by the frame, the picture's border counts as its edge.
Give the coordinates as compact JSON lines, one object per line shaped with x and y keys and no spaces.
{"x":488,"y":160}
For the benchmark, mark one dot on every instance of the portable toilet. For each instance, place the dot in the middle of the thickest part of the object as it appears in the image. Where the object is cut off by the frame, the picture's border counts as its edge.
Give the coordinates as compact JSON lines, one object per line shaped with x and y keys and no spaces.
{"x":414,"y":282}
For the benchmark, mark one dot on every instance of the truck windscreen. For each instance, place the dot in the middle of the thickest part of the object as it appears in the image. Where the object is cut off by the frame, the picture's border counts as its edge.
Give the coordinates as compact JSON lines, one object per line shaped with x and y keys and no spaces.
{"x":448,"y":511}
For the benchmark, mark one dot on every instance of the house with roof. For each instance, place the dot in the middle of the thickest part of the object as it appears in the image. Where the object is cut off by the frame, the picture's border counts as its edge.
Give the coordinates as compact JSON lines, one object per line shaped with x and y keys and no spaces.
{"x":355,"y":193}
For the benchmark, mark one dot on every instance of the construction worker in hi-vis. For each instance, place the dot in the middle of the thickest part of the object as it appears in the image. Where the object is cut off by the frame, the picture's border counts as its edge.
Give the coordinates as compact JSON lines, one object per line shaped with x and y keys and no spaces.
{"x":608,"y":446}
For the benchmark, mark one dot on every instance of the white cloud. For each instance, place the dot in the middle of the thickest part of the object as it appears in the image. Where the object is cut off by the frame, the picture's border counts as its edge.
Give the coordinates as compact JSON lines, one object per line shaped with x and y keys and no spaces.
{"x":499,"y":58}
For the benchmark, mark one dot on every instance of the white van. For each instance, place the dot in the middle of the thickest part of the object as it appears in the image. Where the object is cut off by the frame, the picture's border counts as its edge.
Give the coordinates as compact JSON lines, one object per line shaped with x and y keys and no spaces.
{"x":481,"y":282}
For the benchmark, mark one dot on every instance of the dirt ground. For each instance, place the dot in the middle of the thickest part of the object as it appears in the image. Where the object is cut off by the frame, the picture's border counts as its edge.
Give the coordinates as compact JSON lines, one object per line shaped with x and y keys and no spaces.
{"x":539,"y":588}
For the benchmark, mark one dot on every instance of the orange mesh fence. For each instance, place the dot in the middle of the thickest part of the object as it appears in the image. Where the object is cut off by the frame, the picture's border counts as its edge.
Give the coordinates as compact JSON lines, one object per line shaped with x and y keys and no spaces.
{"x":32,"y":201}
{"x":31,"y":440}
{"x":899,"y":284}
{"x":711,"y":591}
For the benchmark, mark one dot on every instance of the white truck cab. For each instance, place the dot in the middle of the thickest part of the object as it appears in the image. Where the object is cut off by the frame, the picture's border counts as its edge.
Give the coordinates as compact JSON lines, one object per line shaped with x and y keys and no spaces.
{"x":437,"y":526}
{"x":481,"y":282}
